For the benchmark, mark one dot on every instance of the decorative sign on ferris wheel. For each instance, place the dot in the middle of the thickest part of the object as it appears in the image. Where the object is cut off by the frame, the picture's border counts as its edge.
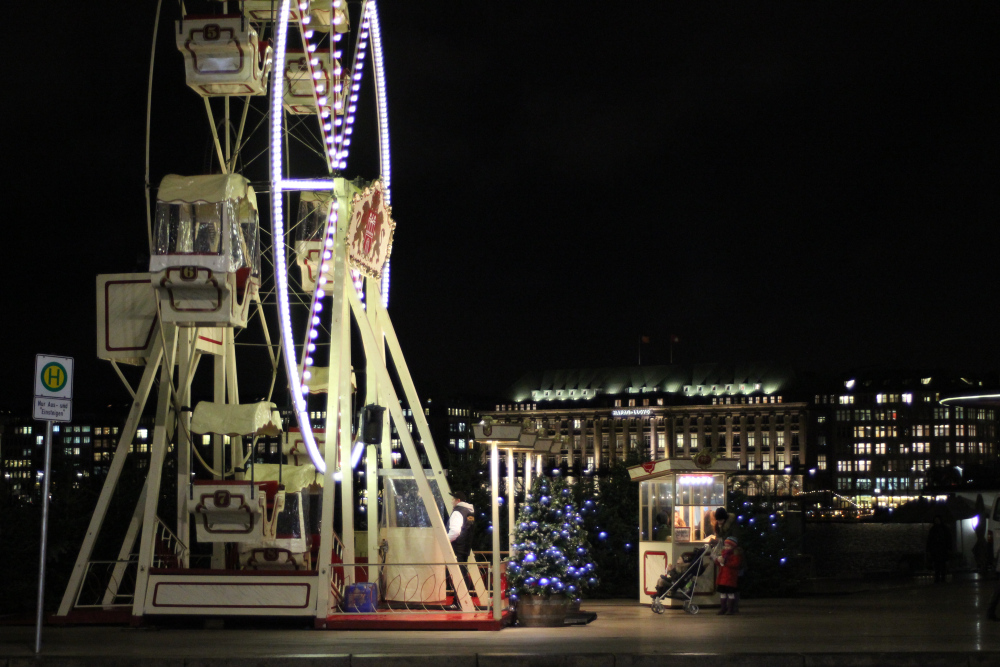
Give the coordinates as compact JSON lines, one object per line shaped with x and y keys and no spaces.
{"x":369,"y":236}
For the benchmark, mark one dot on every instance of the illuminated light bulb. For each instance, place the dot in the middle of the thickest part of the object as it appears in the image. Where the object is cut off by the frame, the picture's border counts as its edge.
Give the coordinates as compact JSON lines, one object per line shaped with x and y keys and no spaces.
{"x":320,"y":88}
{"x":318,"y":307}
{"x":313,"y":334}
{"x":329,"y":243}
{"x":343,"y":164}
{"x":326,"y":267}
{"x":327,"y":126}
{"x":323,"y":100}
{"x":325,"y":113}
{"x":352,"y":108}
{"x":327,"y":255}
{"x":309,"y":35}
{"x":306,"y":20}
{"x":317,"y":75}
{"x":322,"y":280}
{"x":303,"y":6}
{"x":357,"y":77}
{"x":311,"y":48}
{"x":338,"y":122}
{"x":356,"y":87}
{"x":311,"y":347}
{"x":336,"y":38}
{"x":304,"y":389}
{"x":347,"y":142}
{"x":338,"y":54}
{"x":307,"y":375}
{"x":314,"y":61}
{"x":316,"y":319}
{"x":354,"y":98}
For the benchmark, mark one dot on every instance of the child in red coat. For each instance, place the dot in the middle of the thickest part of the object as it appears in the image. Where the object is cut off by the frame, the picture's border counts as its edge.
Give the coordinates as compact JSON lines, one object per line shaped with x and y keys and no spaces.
{"x":727,"y":577}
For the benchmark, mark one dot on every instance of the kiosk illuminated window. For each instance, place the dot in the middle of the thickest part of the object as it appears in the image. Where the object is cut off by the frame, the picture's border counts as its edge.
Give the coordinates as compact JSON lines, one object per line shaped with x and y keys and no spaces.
{"x":696,"y":498}
{"x":656,"y":503}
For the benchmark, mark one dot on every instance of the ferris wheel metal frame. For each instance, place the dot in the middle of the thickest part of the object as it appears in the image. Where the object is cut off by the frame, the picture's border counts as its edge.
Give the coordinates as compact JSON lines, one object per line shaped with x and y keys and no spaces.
{"x":353,"y":296}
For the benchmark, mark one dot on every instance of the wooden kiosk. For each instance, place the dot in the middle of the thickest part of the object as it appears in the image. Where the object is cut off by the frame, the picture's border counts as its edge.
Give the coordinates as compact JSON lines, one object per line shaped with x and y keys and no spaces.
{"x":677,"y":500}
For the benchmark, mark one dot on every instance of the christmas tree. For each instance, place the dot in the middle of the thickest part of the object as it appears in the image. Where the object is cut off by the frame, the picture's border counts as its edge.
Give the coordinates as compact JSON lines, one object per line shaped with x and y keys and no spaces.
{"x":550,"y":555}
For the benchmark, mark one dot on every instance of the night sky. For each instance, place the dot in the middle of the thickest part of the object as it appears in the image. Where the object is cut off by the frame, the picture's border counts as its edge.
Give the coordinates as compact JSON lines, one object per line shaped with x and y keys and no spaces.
{"x":810,"y":183}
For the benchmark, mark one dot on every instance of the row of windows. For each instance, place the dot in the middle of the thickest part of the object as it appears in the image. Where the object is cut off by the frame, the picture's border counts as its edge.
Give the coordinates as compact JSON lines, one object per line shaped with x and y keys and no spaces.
{"x":883,"y":485}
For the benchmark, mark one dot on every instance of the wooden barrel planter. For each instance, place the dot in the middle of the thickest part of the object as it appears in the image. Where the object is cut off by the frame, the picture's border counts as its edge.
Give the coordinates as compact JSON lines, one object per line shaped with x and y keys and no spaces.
{"x":536,"y":611}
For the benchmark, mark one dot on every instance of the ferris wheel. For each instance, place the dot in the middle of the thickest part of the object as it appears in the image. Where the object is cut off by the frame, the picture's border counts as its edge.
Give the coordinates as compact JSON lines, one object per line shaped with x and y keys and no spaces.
{"x":270,"y":246}
{"x":304,"y":84}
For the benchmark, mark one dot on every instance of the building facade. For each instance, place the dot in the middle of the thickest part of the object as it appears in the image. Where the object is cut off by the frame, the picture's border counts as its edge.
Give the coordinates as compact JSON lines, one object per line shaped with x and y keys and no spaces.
{"x":857,"y":441}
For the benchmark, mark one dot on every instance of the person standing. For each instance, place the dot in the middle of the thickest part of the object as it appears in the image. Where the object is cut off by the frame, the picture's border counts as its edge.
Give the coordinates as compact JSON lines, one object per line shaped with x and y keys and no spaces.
{"x":727,"y":579}
{"x":939,"y":548}
{"x":460,"y":524}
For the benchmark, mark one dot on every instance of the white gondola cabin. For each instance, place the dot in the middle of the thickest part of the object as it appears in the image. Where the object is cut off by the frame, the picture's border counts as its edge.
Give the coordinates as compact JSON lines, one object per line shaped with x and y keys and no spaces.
{"x":323,"y":89}
{"x":206,"y":266}
{"x":310,"y":227}
{"x":223,"y":55}
{"x":319,"y":12}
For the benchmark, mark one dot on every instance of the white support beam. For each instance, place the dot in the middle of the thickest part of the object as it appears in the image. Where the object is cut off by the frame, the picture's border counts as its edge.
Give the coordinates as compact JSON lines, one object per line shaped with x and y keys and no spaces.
{"x":334,"y":403}
{"x":373,"y":394}
{"x":412,"y":456}
{"x":494,"y":495}
{"x":344,"y":416}
{"x":135,"y":523}
{"x":164,"y":414}
{"x":125,"y":440}
{"x":236,"y":450}
{"x":410,"y":391}
{"x":215,"y":137}
{"x":510,"y":500}
{"x":218,"y":446}
{"x":187,"y":365}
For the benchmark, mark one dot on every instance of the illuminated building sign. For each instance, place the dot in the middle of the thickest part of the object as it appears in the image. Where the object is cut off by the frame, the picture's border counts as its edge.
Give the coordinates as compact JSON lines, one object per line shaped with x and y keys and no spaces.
{"x":632,"y":412}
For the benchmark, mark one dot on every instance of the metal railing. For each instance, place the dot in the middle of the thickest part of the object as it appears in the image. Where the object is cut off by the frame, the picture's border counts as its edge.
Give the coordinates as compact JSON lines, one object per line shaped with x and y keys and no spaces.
{"x":108,"y":584}
{"x":414,"y":588}
{"x":168,"y":550}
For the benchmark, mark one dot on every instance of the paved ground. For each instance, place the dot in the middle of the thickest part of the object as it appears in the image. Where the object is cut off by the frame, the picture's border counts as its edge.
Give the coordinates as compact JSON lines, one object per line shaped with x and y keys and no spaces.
{"x":917,"y":623}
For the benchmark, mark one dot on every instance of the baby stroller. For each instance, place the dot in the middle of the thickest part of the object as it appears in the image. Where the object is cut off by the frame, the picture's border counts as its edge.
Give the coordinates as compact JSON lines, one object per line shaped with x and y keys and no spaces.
{"x":678,"y":585}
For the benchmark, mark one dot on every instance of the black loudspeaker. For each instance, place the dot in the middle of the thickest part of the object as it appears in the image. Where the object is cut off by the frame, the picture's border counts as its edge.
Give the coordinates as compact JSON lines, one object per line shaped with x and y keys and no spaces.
{"x":371,"y":424}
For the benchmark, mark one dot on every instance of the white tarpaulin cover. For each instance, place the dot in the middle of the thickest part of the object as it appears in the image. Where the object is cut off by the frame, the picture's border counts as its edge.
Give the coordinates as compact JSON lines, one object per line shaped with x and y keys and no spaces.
{"x":225,"y":419}
{"x":293,"y":478}
{"x":210,"y":189}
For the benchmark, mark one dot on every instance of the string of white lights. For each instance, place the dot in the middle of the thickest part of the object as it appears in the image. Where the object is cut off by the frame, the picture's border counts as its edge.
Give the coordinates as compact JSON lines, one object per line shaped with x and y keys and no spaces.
{"x":381,"y":105}
{"x":336,"y":134}
{"x":296,"y":387}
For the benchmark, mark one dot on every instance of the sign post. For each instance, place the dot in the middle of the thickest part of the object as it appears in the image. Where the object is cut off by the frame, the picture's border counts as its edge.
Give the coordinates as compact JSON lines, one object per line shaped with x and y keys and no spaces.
{"x":53,"y":403}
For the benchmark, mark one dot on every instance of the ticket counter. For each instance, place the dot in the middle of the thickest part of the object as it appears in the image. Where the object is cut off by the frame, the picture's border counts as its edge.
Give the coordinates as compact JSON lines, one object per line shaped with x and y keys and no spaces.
{"x":677,"y":502}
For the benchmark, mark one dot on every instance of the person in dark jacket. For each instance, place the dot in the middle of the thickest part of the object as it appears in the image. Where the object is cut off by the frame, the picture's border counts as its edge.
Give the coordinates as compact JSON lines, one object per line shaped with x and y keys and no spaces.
{"x":939,"y":548}
{"x":460,"y":524}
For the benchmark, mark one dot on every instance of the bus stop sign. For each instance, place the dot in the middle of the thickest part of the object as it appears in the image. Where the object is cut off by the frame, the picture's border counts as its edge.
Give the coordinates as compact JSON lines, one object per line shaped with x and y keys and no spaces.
{"x":53,"y":388}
